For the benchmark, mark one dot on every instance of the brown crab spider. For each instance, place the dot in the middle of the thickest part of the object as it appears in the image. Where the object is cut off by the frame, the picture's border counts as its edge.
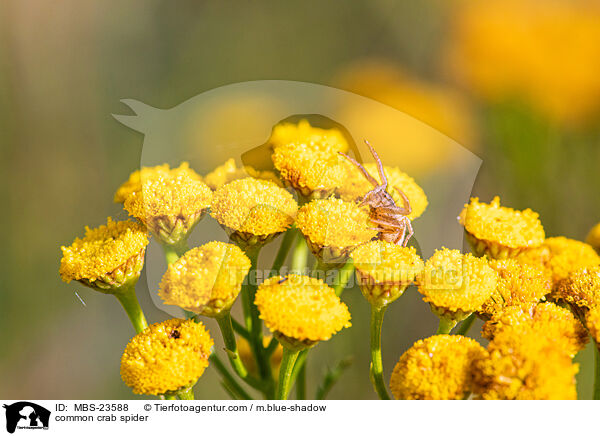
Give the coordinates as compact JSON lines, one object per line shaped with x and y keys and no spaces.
{"x":392,"y":220}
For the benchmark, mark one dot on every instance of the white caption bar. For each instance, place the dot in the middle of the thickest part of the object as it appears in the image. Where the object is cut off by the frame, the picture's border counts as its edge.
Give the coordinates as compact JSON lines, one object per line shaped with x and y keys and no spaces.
{"x":367,"y":418}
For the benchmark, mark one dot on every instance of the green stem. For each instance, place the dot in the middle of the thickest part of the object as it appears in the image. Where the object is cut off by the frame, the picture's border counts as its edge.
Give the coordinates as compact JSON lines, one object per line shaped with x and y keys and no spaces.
{"x":240,"y":329}
{"x":445,"y":327}
{"x":231,"y":382}
{"x":301,"y":383}
{"x":300,"y":254}
{"x":285,"y":373}
{"x":175,"y":251}
{"x":299,"y":364}
{"x":597,"y":381}
{"x":232,"y":351}
{"x":253,"y":322}
{"x":465,"y":326}
{"x":344,"y":276}
{"x":186,"y":394}
{"x":170,"y":397}
{"x":130,"y":303}
{"x":376,"y":361}
{"x":284,"y":249}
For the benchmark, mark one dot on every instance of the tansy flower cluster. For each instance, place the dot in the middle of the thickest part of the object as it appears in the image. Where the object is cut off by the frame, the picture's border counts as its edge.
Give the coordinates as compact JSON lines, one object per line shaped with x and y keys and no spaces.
{"x":539,"y":297}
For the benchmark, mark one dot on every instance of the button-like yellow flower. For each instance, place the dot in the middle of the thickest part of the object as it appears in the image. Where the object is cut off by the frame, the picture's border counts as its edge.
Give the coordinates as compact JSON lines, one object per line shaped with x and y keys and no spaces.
{"x":229,"y":172}
{"x":518,"y":285}
{"x":456,"y":284}
{"x":355,"y":186}
{"x":592,"y":322}
{"x":547,"y":321}
{"x":253,"y":211}
{"x":333,"y":228}
{"x":107,"y":257}
{"x":288,"y":133}
{"x":313,"y":170}
{"x":385,"y":270}
{"x":166,"y":357}
{"x":436,"y":368}
{"x":300,"y":310}
{"x":134,"y":183}
{"x":500,"y":232}
{"x":581,"y":289}
{"x":206,"y":280}
{"x":593,"y":238}
{"x":170,"y":205}
{"x":524,"y":367}
{"x":561,"y":256}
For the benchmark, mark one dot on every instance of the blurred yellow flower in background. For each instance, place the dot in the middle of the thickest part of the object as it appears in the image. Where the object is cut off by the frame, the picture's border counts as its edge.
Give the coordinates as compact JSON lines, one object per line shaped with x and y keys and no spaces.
{"x":593,"y":238}
{"x":546,"y":52}
{"x":439,"y":107}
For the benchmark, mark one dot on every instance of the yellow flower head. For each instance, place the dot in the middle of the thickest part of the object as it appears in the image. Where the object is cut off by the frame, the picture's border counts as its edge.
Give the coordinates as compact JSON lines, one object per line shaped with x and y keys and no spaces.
{"x":300,"y":310}
{"x":170,"y":204}
{"x":592,"y":322}
{"x":547,"y":321}
{"x":134,"y":183}
{"x":355,"y":186}
{"x":518,"y":285}
{"x":313,"y":170}
{"x":500,"y":232}
{"x":166,"y":357}
{"x":206,"y":280}
{"x":253,"y":211}
{"x":593,"y":238}
{"x":245,"y":352}
{"x":546,"y":53}
{"x":436,"y":368}
{"x":288,"y":133}
{"x":228,"y":172}
{"x":561,"y":256}
{"x":581,"y":289}
{"x":524,"y":367}
{"x":456,"y":284}
{"x":107,"y":257}
{"x":333,"y":228}
{"x":385,"y":270}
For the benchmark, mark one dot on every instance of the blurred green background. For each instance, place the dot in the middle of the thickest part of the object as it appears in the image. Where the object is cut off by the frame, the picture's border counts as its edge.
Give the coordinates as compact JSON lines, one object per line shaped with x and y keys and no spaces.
{"x":64,"y":66}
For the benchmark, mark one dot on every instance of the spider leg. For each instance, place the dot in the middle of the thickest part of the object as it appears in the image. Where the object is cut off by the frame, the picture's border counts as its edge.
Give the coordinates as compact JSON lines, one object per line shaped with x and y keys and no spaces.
{"x":389,"y":224}
{"x":411,"y":232}
{"x":384,"y":181}
{"x":400,"y":239}
{"x":407,"y":208}
{"x":368,"y":176}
